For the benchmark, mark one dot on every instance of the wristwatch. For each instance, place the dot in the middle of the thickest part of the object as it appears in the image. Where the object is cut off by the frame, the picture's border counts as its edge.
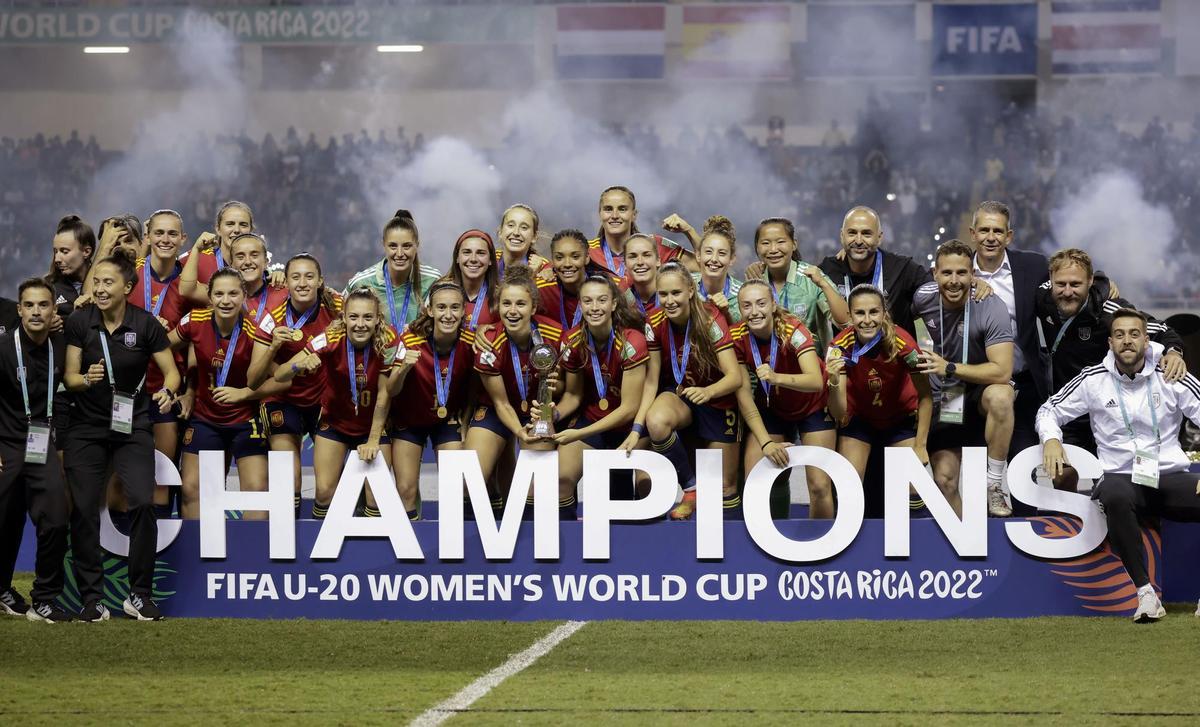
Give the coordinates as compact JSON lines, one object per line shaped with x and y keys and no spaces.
{"x":951,"y":367}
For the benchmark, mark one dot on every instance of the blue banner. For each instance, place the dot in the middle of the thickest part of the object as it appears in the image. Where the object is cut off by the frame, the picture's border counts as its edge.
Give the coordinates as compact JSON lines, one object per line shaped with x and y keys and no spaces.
{"x":985,"y":40}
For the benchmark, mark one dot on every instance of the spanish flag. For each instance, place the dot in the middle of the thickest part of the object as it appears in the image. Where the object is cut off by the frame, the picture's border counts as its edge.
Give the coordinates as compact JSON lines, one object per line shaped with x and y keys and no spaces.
{"x":736,"y":42}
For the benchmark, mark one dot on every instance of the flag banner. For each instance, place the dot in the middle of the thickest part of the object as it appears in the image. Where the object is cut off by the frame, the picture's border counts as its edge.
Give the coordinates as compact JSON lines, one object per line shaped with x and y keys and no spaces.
{"x":736,"y":42}
{"x":1106,"y":36}
{"x":985,"y":40}
{"x":610,"y":42}
{"x":861,"y":40}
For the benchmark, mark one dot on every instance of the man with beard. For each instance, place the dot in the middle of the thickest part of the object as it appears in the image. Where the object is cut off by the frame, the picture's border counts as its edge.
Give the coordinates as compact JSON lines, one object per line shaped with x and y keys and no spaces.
{"x":1072,"y":313}
{"x":1135,"y":412}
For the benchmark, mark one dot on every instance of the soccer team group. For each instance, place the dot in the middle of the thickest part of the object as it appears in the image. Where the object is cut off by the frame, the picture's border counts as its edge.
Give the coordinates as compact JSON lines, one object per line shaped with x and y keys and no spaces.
{"x":131,"y":344}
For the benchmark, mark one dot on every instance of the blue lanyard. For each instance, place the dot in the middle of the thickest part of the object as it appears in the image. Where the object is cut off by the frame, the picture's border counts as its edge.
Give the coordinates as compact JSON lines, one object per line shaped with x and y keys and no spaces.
{"x":21,"y":376}
{"x":233,"y":341}
{"x":442,"y":388}
{"x":298,"y":324}
{"x":638,"y":299}
{"x":518,"y":369}
{"x":857,"y":350}
{"x":679,"y":368}
{"x":876,"y":279}
{"x":562,"y":309}
{"x":601,"y":386}
{"x":146,"y":292}
{"x":261,"y":305}
{"x":775,"y":296}
{"x":112,"y":379}
{"x":726,"y":290}
{"x":1149,"y":403}
{"x":217,"y":254}
{"x":758,"y":358}
{"x":402,"y":321}
{"x":608,"y":258}
{"x":480,"y":302}
{"x":354,"y":368}
{"x":1063,"y":331}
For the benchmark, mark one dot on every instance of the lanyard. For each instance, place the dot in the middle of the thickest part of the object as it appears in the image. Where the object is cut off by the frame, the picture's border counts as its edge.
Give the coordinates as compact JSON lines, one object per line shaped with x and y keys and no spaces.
{"x":354,"y":368}
{"x":146,"y":292}
{"x":297,"y":324}
{"x":1062,"y":332}
{"x":608,"y":258}
{"x":679,"y":368}
{"x":261,"y":305}
{"x":876,"y":279}
{"x":112,"y":380}
{"x":562,"y":309}
{"x":758,"y":358}
{"x":21,"y":376}
{"x":775,"y":295}
{"x":601,"y":386}
{"x":966,"y":328}
{"x":726,"y":289}
{"x":642,"y":306}
{"x":1149,"y":403}
{"x":402,"y":321}
{"x":223,"y":375}
{"x":858,"y":350}
{"x":518,"y":369}
{"x":216,"y":252}
{"x":480,"y":302}
{"x":442,"y":388}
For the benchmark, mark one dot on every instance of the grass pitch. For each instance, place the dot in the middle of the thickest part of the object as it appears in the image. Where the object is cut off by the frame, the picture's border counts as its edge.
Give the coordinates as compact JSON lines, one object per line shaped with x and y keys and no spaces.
{"x":1032,"y":671}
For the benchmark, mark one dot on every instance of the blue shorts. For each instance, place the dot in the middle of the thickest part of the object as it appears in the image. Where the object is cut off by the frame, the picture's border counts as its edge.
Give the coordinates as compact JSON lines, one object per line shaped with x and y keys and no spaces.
{"x":443,"y":432}
{"x":487,"y":418}
{"x":715,"y":425}
{"x":285,"y":418}
{"x":858,"y":428}
{"x":604,"y":440}
{"x":157,"y":417}
{"x":351,"y":441}
{"x":238,"y":440}
{"x":818,"y":421}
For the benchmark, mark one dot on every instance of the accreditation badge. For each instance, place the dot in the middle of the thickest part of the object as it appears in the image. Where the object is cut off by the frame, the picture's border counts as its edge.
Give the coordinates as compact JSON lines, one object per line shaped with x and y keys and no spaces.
{"x":1145,"y":468}
{"x":122,"y":414}
{"x":37,"y":444}
{"x":953,"y":400}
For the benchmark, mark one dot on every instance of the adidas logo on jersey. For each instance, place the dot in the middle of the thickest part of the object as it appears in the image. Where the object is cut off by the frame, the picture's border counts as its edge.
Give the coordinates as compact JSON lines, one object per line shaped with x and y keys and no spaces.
{"x":1110,"y":404}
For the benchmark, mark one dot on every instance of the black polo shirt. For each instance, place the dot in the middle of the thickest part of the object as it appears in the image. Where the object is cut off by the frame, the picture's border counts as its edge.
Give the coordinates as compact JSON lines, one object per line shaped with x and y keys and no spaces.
{"x":132,"y":345}
{"x":9,"y":319}
{"x":901,"y":277}
{"x":13,"y":425}
{"x":65,"y":293}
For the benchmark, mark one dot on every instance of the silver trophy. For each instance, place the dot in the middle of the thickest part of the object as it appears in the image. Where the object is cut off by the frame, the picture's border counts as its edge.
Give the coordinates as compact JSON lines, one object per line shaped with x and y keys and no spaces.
{"x":543,"y":359}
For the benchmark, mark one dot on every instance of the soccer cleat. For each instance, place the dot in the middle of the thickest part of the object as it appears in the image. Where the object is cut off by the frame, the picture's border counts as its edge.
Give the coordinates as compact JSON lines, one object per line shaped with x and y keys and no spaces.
{"x":1149,"y":609}
{"x":48,"y":612}
{"x":997,"y":504}
{"x":141,"y":609}
{"x":94,"y":612}
{"x":12,"y":604}
{"x":686,"y":507}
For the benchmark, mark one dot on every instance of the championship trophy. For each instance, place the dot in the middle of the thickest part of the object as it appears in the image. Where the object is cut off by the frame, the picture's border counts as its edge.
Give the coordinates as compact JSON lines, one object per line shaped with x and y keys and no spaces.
{"x":544,"y":359}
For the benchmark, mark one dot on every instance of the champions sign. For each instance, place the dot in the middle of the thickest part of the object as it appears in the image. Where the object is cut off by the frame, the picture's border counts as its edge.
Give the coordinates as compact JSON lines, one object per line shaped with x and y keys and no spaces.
{"x":622,"y":561}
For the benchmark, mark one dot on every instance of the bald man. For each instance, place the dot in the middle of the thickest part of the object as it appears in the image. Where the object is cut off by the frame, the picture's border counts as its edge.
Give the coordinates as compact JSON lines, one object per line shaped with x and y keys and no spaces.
{"x":864,"y":261}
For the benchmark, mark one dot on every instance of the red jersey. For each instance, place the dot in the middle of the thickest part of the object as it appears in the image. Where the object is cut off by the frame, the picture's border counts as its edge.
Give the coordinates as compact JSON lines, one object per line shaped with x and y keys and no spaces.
{"x":306,"y":389}
{"x":558,"y":304}
{"x":788,"y":404}
{"x":208,"y":263}
{"x":645,"y":307}
{"x":339,"y":408}
{"x":658,"y":339}
{"x":199,"y":329}
{"x":165,"y":301}
{"x":416,"y":404}
{"x":496,"y":360}
{"x":471,"y":322}
{"x":628,"y":351}
{"x":599,"y":253}
{"x":877,"y":391}
{"x":268,"y":298}
{"x":536,"y":264}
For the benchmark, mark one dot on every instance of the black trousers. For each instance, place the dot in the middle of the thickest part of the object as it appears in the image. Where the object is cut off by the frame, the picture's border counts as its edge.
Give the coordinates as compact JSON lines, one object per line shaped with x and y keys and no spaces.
{"x":1025,"y":408}
{"x":1124,"y":502}
{"x":88,"y":455}
{"x":39,"y":490}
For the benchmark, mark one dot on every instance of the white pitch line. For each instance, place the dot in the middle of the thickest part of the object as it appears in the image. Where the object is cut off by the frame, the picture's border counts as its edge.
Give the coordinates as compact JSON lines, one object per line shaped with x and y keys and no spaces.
{"x":471,"y":693}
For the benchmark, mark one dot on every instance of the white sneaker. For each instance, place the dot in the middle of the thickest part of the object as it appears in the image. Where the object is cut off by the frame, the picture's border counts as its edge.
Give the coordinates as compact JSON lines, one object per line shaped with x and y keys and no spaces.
{"x":1149,"y":609}
{"x":1198,"y":608}
{"x":997,"y":504}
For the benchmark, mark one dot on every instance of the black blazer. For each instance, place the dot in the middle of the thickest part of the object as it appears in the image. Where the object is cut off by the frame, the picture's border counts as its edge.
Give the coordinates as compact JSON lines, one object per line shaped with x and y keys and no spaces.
{"x":1029,"y":271}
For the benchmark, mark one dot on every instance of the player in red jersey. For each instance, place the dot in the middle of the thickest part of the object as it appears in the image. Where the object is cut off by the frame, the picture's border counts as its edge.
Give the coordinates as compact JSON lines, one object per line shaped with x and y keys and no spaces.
{"x":249,"y":257}
{"x":517,"y":234}
{"x":606,"y":360}
{"x":697,"y":385}
{"x":876,"y":392}
{"x":618,"y":222}
{"x":225,"y":416}
{"x":559,"y":298}
{"x":285,"y":331}
{"x":474,"y":271}
{"x":354,"y":360}
{"x":433,"y":380}
{"x":787,"y":384}
{"x":213,"y":251}
{"x":509,"y":383}
{"x":642,"y":265}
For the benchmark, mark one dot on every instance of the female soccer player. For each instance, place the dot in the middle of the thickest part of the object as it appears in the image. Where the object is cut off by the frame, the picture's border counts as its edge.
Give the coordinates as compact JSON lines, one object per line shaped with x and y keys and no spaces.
{"x":249,"y":257}
{"x":474,"y":271}
{"x":606,"y":359}
{"x":618,"y":222}
{"x":110,"y":345}
{"x":226,"y":415}
{"x":876,"y":392}
{"x":802,"y":289}
{"x":399,"y":279}
{"x":559,"y":298}
{"x":641,"y":269}
{"x":697,"y":386}
{"x":433,"y":381}
{"x":214,"y":250}
{"x":354,"y":356}
{"x":788,"y":381}
{"x":283,"y":333}
{"x":714,"y":282}
{"x":517,"y":234}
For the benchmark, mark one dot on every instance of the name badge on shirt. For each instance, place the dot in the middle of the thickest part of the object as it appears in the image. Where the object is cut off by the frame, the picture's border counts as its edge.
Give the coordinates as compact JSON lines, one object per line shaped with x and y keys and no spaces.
{"x":122,"y":414}
{"x":953,"y":400}
{"x":1145,"y":468}
{"x":37,"y":444}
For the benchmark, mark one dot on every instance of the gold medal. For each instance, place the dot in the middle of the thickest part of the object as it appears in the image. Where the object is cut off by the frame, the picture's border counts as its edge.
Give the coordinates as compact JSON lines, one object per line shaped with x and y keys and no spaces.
{"x":603,"y":404}
{"x":297,"y":334}
{"x":525,"y":406}
{"x":442,"y":412}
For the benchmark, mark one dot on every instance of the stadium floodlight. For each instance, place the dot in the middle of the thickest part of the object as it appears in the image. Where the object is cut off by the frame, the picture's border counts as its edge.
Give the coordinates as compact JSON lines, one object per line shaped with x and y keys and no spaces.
{"x":399,"y":48}
{"x":891,"y":196}
{"x":106,"y":49}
